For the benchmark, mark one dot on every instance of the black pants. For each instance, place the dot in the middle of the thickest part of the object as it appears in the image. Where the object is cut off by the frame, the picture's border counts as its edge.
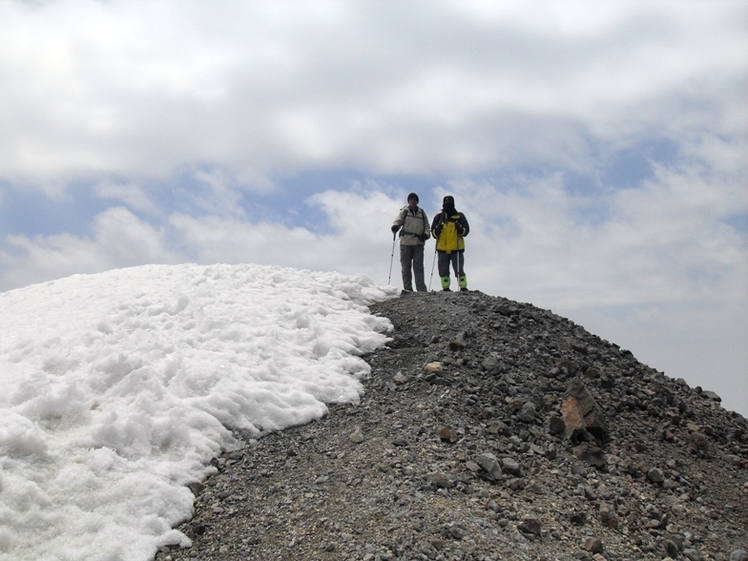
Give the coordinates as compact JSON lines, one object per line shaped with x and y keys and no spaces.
{"x":457,"y":260}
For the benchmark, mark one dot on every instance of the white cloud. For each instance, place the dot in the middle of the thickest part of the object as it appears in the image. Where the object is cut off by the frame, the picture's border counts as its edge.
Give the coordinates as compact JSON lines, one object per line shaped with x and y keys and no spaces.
{"x":141,"y":90}
{"x":120,"y":239}
{"x":662,"y":251}
{"x":212,"y":104}
{"x":133,"y":195}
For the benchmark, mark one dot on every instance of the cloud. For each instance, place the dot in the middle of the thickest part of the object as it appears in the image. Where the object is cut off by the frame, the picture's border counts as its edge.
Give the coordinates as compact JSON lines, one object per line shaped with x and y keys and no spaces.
{"x":133,"y":195}
{"x":599,"y":149}
{"x":114,"y":89}
{"x":120,"y":239}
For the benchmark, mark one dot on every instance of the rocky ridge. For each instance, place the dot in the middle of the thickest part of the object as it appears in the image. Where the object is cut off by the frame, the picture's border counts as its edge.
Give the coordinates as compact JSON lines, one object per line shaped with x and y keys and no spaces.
{"x":490,"y":429}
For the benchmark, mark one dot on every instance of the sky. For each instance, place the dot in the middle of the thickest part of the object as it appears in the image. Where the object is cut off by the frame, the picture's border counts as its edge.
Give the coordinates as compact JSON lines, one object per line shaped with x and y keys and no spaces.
{"x":598,"y":150}
{"x":120,"y":387}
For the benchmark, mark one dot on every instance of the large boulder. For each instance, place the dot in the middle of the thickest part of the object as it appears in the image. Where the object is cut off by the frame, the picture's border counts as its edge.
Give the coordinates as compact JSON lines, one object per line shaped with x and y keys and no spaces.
{"x":583,"y":418}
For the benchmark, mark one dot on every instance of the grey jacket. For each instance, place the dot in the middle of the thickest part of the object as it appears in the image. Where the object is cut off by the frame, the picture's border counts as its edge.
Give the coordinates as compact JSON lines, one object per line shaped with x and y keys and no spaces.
{"x":414,"y":226}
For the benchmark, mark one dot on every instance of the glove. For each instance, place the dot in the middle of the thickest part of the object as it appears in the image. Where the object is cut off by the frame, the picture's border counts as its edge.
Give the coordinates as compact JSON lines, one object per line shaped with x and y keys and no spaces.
{"x":423,"y":237}
{"x":460,"y":229}
{"x":438,"y":230}
{"x":395,"y":228}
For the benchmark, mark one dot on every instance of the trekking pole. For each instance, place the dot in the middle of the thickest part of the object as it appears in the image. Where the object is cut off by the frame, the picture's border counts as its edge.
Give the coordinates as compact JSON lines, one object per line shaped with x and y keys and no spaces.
{"x":432,"y":269}
{"x":392,"y":257}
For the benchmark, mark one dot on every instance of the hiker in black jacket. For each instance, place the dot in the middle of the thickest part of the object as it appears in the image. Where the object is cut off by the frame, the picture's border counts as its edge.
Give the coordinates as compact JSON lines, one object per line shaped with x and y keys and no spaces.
{"x":413,"y":225}
{"x":450,"y":228}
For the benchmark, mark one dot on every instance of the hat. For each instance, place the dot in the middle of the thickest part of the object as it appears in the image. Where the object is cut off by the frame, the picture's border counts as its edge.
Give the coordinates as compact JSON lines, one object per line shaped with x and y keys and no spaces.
{"x":412,"y":196}
{"x":449,"y":200}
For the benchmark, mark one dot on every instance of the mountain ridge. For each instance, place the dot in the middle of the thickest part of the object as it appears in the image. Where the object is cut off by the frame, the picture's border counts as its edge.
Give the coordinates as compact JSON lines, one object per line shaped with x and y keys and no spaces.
{"x":490,"y":429}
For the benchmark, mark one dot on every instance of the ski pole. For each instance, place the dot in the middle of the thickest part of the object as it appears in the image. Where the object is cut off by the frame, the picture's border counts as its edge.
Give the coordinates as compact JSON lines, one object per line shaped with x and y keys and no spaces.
{"x":392,"y":257}
{"x":432,"y":269}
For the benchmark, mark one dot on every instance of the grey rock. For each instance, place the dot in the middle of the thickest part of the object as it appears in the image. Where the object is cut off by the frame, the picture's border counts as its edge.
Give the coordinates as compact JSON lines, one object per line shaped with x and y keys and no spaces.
{"x":440,"y":480}
{"x":527,"y":412}
{"x":693,"y":555}
{"x":655,"y":475}
{"x":490,"y":465}
{"x":512,"y":466}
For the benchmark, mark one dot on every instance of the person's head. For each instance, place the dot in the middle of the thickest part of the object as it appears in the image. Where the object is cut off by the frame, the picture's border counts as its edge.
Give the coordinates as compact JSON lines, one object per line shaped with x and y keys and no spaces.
{"x":412,"y":200}
{"x":448,"y":203}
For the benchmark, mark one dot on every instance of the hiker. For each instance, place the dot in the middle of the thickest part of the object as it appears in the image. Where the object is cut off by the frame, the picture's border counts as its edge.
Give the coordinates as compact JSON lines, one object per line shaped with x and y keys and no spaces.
{"x":450,"y":228}
{"x":413,"y":235}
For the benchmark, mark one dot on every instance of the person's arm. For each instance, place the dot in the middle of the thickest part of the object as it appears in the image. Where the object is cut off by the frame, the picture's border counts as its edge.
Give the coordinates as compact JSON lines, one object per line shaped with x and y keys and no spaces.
{"x":436,"y":226}
{"x":398,"y":223}
{"x":465,"y":226}
{"x":426,"y":228}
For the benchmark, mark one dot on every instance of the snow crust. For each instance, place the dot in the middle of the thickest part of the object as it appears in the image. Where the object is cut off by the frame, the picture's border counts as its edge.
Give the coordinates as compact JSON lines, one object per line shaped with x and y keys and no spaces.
{"x":117,"y":389}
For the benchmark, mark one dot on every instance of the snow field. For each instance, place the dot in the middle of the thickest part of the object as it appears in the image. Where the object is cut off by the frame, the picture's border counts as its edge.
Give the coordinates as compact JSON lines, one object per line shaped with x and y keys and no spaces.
{"x":118,"y":388}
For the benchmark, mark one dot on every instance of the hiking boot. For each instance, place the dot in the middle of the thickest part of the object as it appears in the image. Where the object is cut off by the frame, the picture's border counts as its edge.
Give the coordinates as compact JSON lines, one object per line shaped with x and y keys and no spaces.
{"x":446,"y":289}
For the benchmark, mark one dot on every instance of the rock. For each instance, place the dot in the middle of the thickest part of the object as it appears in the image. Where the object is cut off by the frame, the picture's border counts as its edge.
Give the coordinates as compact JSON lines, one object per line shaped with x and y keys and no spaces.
{"x":472,"y":466}
{"x":440,"y":480}
{"x":448,"y":434}
{"x":556,"y":424}
{"x":356,"y":436}
{"x":511,"y":465}
{"x":693,"y":555}
{"x":400,"y":378}
{"x":527,"y":412}
{"x":432,"y":368}
{"x":593,"y":545}
{"x":698,"y":441}
{"x":581,"y":413}
{"x":711,"y":395}
{"x":578,"y":518}
{"x":491,"y":365}
{"x":739,"y":555}
{"x":589,"y":454}
{"x":490,"y":465}
{"x":608,"y":515}
{"x":671,"y":549}
{"x":530,"y":525}
{"x":655,"y":475}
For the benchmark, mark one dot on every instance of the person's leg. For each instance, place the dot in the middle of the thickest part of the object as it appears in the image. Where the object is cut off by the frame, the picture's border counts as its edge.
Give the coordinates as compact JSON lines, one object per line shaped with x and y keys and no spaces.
{"x":461,"y":277}
{"x":443,"y":262}
{"x":406,"y":257}
{"x":418,"y":268}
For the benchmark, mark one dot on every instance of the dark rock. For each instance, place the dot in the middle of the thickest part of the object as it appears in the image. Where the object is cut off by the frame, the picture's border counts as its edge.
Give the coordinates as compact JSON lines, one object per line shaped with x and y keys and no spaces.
{"x":556,"y":424}
{"x":530,"y":525}
{"x":578,"y":518}
{"x":671,"y":550}
{"x":589,"y":454}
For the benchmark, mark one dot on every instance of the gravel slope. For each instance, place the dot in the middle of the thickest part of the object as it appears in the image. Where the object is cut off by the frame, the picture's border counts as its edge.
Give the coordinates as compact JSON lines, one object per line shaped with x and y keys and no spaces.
{"x":480,"y":456}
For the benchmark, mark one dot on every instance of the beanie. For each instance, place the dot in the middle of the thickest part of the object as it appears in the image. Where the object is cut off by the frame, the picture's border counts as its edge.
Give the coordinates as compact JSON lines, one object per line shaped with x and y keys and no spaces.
{"x":412,"y":196}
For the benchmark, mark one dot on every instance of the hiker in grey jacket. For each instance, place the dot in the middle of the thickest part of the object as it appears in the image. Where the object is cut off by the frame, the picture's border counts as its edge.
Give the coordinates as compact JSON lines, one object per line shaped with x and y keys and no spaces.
{"x":413,"y":225}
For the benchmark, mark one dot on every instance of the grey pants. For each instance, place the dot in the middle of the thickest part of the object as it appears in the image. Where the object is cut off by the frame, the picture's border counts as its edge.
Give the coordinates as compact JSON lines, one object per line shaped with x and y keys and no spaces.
{"x":412,"y":255}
